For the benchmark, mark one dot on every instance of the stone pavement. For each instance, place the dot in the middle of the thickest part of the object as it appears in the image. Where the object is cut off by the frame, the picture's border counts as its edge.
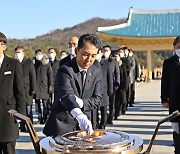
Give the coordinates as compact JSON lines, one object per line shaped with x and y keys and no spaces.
{"x":140,"y":120}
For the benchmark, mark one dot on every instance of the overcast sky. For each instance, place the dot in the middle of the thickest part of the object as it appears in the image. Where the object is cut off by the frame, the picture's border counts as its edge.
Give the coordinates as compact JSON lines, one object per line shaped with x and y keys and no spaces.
{"x":30,"y":18}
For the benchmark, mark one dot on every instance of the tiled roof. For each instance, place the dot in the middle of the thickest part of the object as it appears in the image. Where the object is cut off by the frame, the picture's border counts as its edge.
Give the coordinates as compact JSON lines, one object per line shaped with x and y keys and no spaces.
{"x":147,"y":23}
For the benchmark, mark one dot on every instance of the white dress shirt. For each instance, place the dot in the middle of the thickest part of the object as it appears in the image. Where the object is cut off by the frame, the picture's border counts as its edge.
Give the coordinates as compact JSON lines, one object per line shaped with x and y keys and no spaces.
{"x":75,"y":112}
{"x":1,"y":60}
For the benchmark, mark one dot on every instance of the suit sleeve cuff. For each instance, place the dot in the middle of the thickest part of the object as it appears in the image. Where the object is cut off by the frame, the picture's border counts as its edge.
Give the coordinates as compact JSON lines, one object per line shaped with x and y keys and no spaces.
{"x":75,"y":112}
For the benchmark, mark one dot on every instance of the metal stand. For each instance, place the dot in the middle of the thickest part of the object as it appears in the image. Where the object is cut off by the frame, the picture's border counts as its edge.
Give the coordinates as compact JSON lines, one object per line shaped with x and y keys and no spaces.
{"x":32,"y":132}
{"x":171,"y":116}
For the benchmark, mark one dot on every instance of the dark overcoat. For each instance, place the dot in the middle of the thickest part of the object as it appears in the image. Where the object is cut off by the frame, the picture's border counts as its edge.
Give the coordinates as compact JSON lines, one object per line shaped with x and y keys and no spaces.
{"x":55,"y":67}
{"x":44,"y":79}
{"x":29,"y":76}
{"x":107,"y":81}
{"x":11,"y":97}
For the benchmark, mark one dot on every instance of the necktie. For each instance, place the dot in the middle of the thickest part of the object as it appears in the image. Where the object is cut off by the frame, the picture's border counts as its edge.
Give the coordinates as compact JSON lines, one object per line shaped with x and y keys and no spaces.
{"x":83,"y":77}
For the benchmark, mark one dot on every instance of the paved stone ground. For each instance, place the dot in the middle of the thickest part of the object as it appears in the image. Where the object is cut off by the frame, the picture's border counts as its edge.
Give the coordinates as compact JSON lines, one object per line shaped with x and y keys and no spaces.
{"x":140,"y":120}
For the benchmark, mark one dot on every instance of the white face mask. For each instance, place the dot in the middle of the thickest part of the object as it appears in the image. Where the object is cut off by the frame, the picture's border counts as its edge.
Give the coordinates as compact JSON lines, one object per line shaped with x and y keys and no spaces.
{"x":19,"y":57}
{"x":126,"y":52}
{"x":130,"y":54}
{"x":118,"y":59}
{"x":106,"y":54}
{"x":121,"y":55}
{"x":98,"y":57}
{"x":39,"y":57}
{"x":51,"y":56}
{"x":71,"y":51}
{"x":177,"y":51}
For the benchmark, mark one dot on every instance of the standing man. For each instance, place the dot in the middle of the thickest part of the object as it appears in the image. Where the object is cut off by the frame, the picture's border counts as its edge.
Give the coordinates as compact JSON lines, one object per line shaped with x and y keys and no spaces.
{"x":72,"y":45}
{"x":170,"y":90}
{"x":29,"y":76}
{"x":107,"y":89}
{"x":116,"y":81}
{"x":55,"y":66}
{"x":133,"y":75}
{"x":11,"y":97}
{"x":78,"y":89}
{"x":44,"y":85}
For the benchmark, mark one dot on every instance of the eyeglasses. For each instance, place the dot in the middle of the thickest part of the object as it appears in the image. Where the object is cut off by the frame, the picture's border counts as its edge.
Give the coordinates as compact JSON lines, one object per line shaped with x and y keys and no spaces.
{"x":72,"y":44}
{"x":2,"y":43}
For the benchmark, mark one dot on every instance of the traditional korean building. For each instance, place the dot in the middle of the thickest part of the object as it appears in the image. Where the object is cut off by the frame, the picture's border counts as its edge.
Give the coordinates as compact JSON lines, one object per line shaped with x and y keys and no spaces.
{"x":145,"y":30}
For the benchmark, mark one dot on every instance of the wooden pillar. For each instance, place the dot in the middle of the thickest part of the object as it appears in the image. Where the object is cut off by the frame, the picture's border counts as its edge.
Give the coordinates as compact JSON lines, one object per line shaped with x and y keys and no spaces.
{"x":150,"y":64}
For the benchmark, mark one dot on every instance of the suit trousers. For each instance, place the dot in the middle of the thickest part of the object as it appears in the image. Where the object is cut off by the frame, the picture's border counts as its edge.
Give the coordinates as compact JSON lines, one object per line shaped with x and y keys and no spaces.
{"x":176,"y":138}
{"x":111,"y":105}
{"x":103,"y":121}
{"x":120,"y":102}
{"x":42,"y":113}
{"x":94,"y":116}
{"x":7,"y":147}
{"x":132,"y":93}
{"x":29,"y":114}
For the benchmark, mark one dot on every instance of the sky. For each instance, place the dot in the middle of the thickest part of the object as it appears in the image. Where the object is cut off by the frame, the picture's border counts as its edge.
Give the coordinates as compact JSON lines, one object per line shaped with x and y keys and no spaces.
{"x":23,"y":19}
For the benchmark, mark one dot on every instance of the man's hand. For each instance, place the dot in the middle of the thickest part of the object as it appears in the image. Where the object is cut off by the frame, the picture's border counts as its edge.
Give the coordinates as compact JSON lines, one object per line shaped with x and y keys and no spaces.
{"x":51,"y":90}
{"x":165,"y":105}
{"x":84,"y":123}
{"x":116,"y":87}
{"x":79,"y":101}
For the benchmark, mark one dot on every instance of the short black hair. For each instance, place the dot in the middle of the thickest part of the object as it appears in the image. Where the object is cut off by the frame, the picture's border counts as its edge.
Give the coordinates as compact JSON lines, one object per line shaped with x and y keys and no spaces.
{"x":63,"y":51}
{"x":89,"y":37}
{"x":107,"y":46}
{"x":19,"y":47}
{"x":38,"y":50}
{"x":53,"y":48}
{"x":177,"y":40}
{"x":3,"y":38}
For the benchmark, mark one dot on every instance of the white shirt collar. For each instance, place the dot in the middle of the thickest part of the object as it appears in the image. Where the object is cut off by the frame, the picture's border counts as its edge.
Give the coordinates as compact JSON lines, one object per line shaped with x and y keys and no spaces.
{"x":81,"y":69}
{"x":1,"y":59}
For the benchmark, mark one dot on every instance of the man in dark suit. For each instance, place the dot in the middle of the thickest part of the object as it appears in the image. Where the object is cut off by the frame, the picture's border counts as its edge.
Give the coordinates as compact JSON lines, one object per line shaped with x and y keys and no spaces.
{"x":72,"y":45}
{"x":116,"y":80}
{"x":52,"y":52}
{"x":29,"y":75}
{"x":133,"y":75}
{"x":107,"y":87}
{"x":78,"y":89}
{"x":11,"y":97}
{"x":170,"y":95}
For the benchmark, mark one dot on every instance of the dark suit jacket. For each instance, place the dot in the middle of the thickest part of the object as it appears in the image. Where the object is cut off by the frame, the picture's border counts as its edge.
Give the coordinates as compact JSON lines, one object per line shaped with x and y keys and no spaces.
{"x":55,"y":67}
{"x":11,"y":97}
{"x":167,"y":73}
{"x":175,"y":93}
{"x":115,"y":71}
{"x":29,"y":75}
{"x":68,"y":83}
{"x":107,"y":80}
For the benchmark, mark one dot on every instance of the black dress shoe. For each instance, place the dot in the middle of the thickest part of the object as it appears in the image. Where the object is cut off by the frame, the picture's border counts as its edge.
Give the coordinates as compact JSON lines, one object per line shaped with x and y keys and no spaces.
{"x":115,"y":118}
{"x":109,"y":121}
{"x":130,"y":105}
{"x":24,"y":130}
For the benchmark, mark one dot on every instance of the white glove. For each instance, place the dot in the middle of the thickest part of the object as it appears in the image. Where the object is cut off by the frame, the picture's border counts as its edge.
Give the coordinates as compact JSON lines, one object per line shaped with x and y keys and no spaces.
{"x":79,"y":101}
{"x":84,"y":123}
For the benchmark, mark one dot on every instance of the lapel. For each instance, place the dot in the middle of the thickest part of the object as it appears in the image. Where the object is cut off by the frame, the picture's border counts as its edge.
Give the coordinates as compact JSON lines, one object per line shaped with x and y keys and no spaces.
{"x":88,"y":81}
{"x":4,"y":67}
{"x":77,"y":76}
